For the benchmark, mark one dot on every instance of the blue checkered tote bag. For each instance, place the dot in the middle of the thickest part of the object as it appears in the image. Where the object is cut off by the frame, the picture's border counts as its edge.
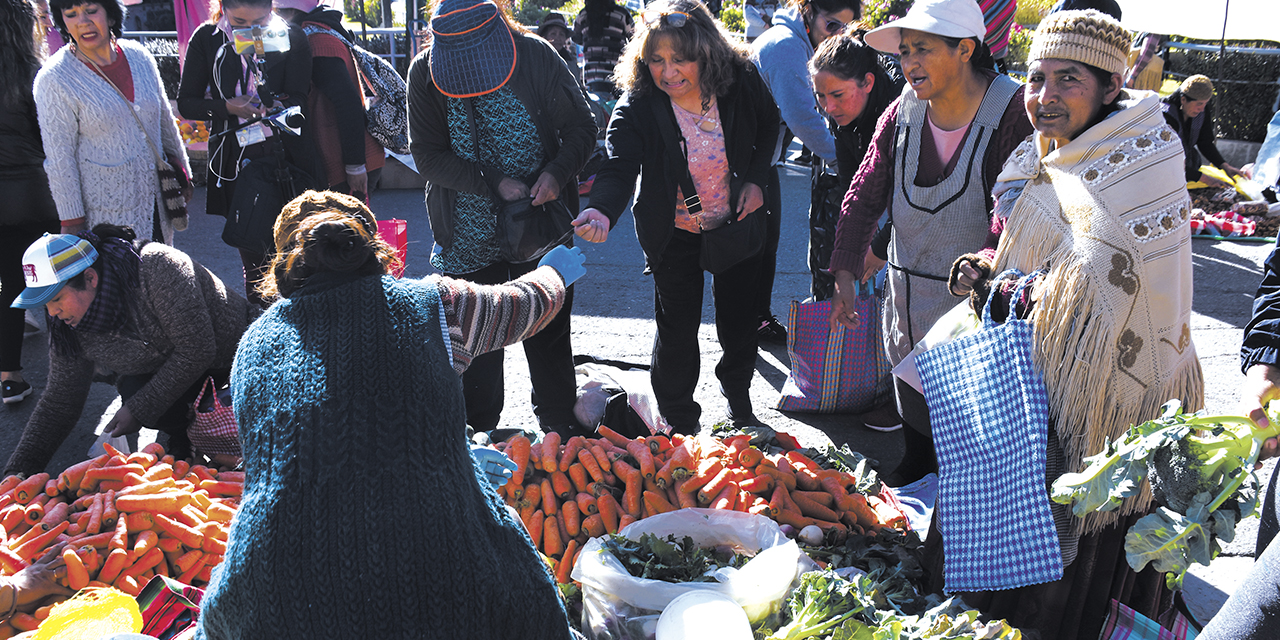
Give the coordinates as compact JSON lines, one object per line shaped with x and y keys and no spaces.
{"x":990,"y":418}
{"x":836,"y":370}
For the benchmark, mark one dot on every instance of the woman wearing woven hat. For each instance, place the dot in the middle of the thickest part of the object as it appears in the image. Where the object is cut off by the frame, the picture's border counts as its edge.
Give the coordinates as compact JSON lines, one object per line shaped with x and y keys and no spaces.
{"x":488,"y":85}
{"x":555,"y":29}
{"x":1112,"y":313}
{"x":1187,"y":110}
{"x":695,"y":113}
{"x":932,"y":164}
{"x":218,"y":85}
{"x":348,"y":389}
{"x":105,"y":119}
{"x":143,"y":310}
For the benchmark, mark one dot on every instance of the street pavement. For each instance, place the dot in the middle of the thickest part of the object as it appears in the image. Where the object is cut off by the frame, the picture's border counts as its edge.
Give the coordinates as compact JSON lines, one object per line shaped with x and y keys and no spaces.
{"x":613,"y":319}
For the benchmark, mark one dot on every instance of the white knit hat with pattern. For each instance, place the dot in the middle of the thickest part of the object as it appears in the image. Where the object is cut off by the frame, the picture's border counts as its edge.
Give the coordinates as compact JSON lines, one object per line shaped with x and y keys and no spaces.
{"x":1089,"y":36}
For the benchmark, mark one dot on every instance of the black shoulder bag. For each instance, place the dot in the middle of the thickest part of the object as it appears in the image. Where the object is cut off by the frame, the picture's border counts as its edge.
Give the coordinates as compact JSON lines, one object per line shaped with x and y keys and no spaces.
{"x":524,"y":232}
{"x":725,"y":246}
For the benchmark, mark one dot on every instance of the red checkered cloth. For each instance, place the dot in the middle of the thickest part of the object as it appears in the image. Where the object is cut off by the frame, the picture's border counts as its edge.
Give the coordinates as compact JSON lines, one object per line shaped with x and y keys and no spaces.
{"x":1225,"y":224}
{"x":214,"y":431}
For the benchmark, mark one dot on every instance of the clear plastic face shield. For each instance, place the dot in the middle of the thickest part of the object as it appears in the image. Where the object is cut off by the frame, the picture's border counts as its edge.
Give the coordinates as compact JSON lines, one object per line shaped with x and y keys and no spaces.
{"x":260,"y":40}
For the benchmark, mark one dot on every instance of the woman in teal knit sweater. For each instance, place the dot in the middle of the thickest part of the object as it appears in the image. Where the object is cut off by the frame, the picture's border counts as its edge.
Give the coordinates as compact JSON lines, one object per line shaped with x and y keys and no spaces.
{"x":363,"y":512}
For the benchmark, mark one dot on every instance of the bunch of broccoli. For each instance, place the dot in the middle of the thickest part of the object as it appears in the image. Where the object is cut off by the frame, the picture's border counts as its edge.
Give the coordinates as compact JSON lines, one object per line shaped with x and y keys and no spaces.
{"x":1201,"y":473}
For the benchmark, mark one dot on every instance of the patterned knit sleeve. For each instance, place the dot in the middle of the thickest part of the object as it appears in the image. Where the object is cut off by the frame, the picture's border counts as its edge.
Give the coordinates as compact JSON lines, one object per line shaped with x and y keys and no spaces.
{"x":60,"y":131}
{"x":484,"y":318}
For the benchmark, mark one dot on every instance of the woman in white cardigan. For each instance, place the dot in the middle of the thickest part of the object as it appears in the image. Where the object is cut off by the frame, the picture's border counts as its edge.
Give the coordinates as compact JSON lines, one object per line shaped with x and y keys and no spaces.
{"x":101,"y":167}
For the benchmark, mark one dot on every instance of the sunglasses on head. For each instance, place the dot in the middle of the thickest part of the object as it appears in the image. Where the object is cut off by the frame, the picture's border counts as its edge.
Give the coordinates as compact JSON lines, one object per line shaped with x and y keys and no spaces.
{"x":675,"y":19}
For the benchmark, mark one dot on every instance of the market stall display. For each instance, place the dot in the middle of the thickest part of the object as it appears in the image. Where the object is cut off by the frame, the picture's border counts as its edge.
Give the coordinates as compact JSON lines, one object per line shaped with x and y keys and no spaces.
{"x":122,"y":519}
{"x":570,"y":491}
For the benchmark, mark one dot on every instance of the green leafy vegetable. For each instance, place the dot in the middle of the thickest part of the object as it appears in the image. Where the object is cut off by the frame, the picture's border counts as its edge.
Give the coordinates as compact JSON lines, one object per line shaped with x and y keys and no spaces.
{"x":850,"y":461}
{"x":669,"y":559}
{"x":824,"y":601}
{"x":1205,"y":483}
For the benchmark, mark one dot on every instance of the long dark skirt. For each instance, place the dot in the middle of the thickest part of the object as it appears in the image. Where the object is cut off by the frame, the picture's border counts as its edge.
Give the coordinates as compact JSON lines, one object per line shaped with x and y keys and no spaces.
{"x":1075,"y":607}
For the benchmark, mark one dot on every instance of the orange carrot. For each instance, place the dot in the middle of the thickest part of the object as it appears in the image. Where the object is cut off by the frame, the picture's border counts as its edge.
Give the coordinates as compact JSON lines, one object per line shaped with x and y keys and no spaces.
{"x":779,"y":476}
{"x":821,"y":497}
{"x":159,"y":472}
{"x":28,"y":489}
{"x":34,"y":512}
{"x":586,"y":503}
{"x":632,"y":498}
{"x":180,"y":469}
{"x":726,"y":499}
{"x":551,"y":452}
{"x":170,"y":545}
{"x":760,"y":484}
{"x":843,"y":501}
{"x":51,"y":488}
{"x":750,"y":457}
{"x":687,"y":499}
{"x":9,"y":482}
{"x":759,"y":507}
{"x":551,"y":543}
{"x":571,"y":518}
{"x":155,"y":448}
{"x":33,"y":546}
{"x":812,"y":509}
{"x":145,"y":542}
{"x":219,"y":512}
{"x":120,"y":537}
{"x":794,"y":519}
{"x":186,"y":560}
{"x":147,"y":560}
{"x":605,"y":463}
{"x":643,"y":456}
{"x":561,"y":485}
{"x":146,"y":488}
{"x":99,"y":541}
{"x":593,"y":525}
{"x":710,"y":490}
{"x":220,"y":487}
{"x":578,"y":474}
{"x":549,"y":504}
{"x":707,"y":470}
{"x":142,"y":458}
{"x":519,"y":454}
{"x":590,"y":464}
{"x":200,"y":471}
{"x":168,"y":502}
{"x":657,"y":503}
{"x":663,"y":477}
{"x":609,"y":512}
{"x":109,"y":512}
{"x":11,"y":516}
{"x":624,"y":520}
{"x":614,"y":438}
{"x":625,"y":471}
{"x":139,"y":521}
{"x":93,"y":476}
{"x":194,"y":570}
{"x":570,"y":454}
{"x":10,"y":561}
{"x":565,"y":569}
{"x":658,"y":444}
{"x":128,"y":584}
{"x":95,"y":516}
{"x":187,"y":535}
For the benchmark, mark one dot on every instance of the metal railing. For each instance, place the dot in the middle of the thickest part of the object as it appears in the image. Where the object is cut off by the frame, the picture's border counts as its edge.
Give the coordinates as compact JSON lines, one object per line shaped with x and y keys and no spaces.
{"x":362,"y":37}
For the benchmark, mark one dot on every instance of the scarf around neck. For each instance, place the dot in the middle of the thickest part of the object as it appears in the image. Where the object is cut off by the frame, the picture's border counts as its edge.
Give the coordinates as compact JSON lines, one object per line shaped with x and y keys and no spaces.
{"x":118,"y":281}
{"x":1108,"y":215}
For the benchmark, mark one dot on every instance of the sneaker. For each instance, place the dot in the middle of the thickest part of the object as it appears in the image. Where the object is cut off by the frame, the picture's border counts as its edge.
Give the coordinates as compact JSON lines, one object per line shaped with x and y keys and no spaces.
{"x":14,"y":391}
{"x":772,"y":331}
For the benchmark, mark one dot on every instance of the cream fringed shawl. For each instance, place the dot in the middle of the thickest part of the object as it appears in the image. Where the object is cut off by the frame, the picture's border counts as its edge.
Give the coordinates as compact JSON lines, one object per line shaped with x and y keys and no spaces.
{"x":1107,"y":213}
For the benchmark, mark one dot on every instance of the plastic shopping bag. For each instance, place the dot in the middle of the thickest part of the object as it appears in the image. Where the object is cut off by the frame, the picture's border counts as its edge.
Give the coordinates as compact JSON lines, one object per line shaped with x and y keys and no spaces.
{"x":396,"y":233}
{"x":619,"y":606}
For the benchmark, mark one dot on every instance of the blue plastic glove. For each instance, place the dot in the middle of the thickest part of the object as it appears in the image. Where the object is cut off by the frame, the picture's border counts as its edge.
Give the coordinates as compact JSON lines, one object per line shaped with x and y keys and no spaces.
{"x":496,"y":466}
{"x":566,"y":260}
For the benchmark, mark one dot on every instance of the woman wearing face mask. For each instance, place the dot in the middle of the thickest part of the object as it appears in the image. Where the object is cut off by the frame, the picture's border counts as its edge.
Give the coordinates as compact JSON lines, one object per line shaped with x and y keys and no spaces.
{"x":218,"y":85}
{"x":780,"y":54}
{"x":935,"y":156}
{"x":101,"y":159}
{"x":695,"y":110}
{"x":853,"y":89}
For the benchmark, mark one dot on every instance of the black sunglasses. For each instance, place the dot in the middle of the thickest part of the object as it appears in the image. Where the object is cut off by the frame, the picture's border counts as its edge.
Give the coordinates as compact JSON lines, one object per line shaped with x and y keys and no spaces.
{"x":674,"y":19}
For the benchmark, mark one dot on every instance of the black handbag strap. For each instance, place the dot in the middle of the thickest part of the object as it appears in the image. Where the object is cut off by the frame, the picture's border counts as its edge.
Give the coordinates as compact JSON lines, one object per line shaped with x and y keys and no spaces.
{"x":669,"y":133}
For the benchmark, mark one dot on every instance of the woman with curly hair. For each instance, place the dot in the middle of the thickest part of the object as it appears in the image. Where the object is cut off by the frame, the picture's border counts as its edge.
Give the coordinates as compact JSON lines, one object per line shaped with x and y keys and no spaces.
{"x":695,"y":111}
{"x":28,"y":210}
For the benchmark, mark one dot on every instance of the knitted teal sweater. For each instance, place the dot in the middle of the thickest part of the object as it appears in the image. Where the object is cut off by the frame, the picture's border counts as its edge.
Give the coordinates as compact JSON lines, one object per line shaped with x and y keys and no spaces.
{"x":362,"y":514}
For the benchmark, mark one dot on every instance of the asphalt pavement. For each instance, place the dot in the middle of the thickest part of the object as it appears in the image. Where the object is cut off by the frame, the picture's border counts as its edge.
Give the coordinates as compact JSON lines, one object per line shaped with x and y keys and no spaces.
{"x":613,"y":319}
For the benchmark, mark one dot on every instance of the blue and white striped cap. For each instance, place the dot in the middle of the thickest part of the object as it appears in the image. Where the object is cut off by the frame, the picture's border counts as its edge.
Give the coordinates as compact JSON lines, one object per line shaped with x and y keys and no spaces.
{"x":49,"y":263}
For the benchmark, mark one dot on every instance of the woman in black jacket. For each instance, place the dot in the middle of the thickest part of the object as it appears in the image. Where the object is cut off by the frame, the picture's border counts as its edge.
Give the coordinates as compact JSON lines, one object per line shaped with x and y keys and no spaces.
{"x":28,"y":210}
{"x":694,"y":106}
{"x":218,"y":85}
{"x":535,"y":132}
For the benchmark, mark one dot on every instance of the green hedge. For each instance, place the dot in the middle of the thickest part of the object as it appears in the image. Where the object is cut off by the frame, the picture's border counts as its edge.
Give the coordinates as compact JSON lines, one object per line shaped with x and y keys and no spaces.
{"x":1244,"y":84}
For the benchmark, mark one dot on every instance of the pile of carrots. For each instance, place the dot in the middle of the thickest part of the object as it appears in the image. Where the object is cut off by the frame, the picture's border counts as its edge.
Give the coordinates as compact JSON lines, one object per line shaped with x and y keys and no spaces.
{"x":122,"y":519}
{"x":568,"y":492}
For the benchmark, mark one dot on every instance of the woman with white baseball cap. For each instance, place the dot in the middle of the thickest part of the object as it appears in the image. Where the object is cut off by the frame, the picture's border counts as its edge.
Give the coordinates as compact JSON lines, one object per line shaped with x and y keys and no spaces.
{"x":932,"y":164}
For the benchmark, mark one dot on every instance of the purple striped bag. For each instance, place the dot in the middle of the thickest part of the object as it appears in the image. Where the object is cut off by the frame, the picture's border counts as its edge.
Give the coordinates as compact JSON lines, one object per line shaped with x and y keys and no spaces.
{"x":835,"y":371}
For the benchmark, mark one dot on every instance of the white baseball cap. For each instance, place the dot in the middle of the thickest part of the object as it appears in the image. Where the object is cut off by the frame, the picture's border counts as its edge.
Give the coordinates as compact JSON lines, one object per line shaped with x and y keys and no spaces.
{"x":49,"y":263}
{"x":949,"y":18}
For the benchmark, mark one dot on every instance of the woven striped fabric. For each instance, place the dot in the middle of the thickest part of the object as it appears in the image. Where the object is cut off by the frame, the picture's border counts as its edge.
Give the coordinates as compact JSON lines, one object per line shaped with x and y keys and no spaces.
{"x":1124,"y":623}
{"x":844,"y":371}
{"x":990,"y":417}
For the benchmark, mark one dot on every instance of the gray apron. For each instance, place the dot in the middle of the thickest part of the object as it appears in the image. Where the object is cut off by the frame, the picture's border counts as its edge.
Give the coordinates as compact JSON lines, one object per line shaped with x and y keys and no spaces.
{"x":932,"y":226}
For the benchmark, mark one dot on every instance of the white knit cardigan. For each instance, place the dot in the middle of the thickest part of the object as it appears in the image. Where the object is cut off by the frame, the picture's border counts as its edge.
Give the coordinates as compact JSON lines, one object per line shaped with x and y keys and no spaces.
{"x":99,"y":164}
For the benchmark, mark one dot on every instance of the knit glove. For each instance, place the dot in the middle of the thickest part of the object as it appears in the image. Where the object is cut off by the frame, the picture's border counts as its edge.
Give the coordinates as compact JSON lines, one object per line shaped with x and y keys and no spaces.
{"x":496,"y":466}
{"x":567,"y":261}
